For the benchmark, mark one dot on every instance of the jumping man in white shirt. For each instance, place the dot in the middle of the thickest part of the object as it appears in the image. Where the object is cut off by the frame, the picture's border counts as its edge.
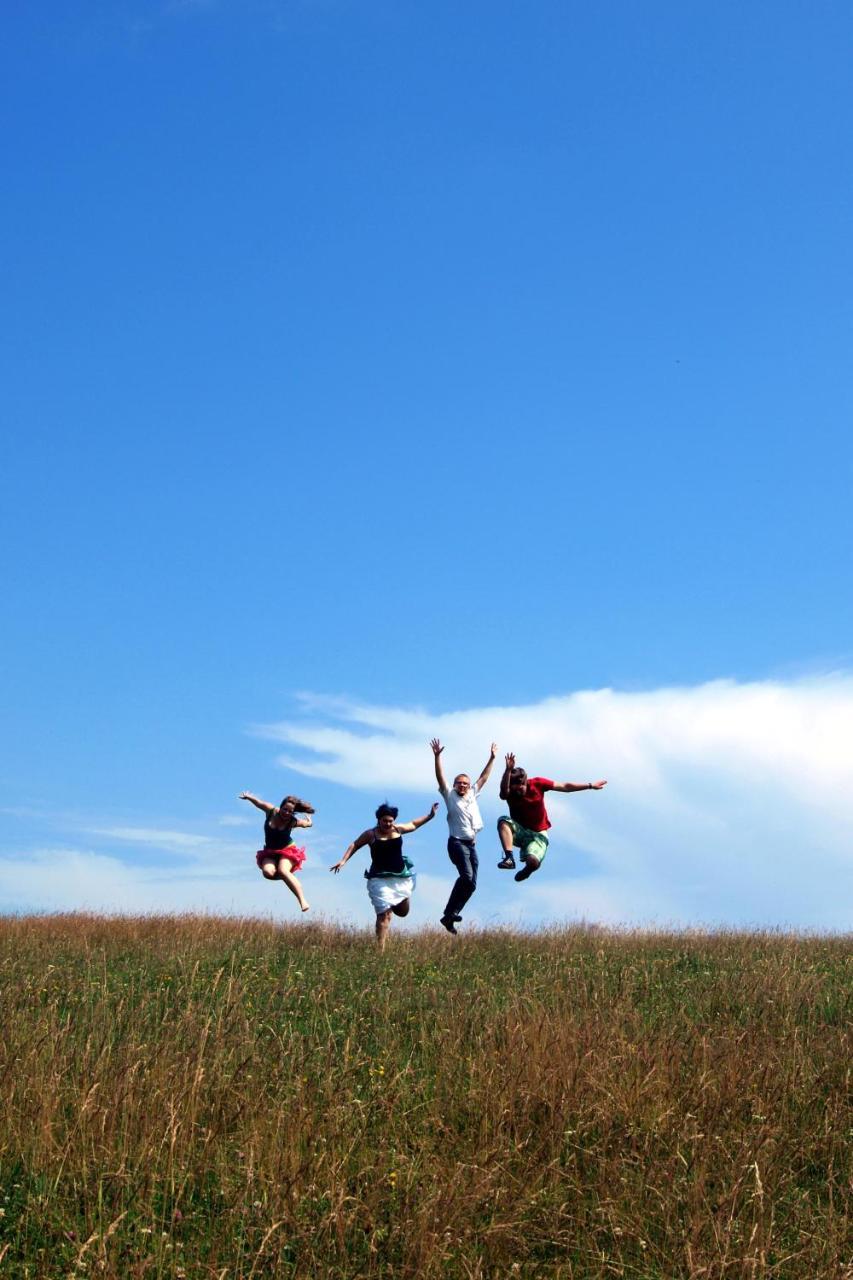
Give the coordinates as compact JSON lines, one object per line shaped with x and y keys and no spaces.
{"x":464,"y":821}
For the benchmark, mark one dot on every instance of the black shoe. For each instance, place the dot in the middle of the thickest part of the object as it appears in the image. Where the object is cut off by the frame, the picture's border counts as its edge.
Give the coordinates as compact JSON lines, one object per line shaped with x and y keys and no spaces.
{"x":447,"y":921}
{"x":507,"y":862}
{"x":524,"y":873}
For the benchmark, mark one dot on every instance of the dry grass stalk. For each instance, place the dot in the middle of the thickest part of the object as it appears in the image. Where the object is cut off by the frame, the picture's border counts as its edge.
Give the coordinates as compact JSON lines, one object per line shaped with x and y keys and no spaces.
{"x":202,"y":1098}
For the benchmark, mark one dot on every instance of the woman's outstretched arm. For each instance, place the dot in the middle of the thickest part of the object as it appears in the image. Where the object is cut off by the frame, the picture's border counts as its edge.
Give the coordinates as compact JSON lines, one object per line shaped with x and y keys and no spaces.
{"x":259,"y":804}
{"x":366,"y":837}
{"x":405,"y":827}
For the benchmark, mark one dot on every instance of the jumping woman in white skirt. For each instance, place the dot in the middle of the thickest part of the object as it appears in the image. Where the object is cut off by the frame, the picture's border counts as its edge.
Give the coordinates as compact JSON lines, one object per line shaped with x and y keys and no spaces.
{"x":390,"y":877}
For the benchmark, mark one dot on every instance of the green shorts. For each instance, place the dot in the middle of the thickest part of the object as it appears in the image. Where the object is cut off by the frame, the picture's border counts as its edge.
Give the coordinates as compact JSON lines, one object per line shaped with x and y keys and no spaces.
{"x":531,"y":843}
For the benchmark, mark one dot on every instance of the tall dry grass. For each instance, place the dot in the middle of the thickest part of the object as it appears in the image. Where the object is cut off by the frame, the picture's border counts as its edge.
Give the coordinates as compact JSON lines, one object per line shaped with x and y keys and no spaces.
{"x":193,"y":1097}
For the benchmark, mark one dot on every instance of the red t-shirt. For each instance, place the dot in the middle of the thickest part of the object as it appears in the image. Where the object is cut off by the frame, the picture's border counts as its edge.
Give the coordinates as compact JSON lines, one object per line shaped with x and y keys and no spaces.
{"x":529,"y":810}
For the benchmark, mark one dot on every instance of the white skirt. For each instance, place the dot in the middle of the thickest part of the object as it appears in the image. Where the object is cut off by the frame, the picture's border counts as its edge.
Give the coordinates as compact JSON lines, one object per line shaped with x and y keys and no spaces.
{"x":387,"y":891}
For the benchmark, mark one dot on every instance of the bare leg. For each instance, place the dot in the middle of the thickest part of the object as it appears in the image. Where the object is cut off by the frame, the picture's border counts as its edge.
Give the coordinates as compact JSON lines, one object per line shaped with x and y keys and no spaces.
{"x":402,"y":908}
{"x":292,"y":883}
{"x":383,"y":924}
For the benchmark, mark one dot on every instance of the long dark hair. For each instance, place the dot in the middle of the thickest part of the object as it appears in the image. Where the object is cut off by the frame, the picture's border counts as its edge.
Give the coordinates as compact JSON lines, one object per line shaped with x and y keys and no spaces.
{"x":386,"y":810}
{"x":299,"y":806}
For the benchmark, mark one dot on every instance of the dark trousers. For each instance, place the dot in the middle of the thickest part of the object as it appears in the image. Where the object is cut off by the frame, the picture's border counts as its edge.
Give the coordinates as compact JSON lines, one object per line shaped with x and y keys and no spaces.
{"x":463,"y":855}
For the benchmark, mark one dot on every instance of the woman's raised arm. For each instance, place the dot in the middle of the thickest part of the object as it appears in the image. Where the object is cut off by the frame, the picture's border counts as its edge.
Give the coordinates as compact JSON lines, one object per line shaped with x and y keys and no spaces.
{"x":405,"y":827}
{"x":259,"y":804}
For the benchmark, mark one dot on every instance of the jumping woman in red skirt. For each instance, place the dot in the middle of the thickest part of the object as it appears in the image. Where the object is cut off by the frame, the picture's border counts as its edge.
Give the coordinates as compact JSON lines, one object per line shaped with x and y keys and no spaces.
{"x":280,"y":857}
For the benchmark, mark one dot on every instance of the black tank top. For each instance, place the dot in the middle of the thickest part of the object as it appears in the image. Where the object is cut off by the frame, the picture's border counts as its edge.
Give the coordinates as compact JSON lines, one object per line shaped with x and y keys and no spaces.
{"x":277,"y":837}
{"x":387,"y":857}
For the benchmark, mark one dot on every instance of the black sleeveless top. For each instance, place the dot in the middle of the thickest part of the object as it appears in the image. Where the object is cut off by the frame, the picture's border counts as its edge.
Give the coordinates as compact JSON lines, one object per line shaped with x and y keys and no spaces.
{"x":387,"y":857}
{"x":277,"y":837}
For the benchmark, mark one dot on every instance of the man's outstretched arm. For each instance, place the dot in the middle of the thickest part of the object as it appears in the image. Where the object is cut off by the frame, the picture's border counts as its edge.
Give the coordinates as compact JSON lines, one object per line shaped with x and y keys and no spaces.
{"x":579,"y":786}
{"x":437,"y":749}
{"x":487,"y":768}
{"x":510,"y":765}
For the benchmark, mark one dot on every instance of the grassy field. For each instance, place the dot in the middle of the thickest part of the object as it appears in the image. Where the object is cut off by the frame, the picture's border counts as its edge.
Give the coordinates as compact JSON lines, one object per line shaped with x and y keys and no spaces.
{"x":203,"y":1098}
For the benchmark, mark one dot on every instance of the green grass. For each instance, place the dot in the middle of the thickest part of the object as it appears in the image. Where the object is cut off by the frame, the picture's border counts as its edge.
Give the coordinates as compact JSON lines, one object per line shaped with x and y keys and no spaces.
{"x":191,"y":1097}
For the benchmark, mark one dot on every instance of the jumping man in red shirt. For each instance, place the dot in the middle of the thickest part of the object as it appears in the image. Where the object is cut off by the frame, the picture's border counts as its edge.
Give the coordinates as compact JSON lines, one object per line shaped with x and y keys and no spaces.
{"x":528,"y":821}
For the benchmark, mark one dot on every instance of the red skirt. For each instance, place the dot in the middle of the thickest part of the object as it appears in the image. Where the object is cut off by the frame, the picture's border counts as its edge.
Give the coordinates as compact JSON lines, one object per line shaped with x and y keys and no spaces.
{"x":293,"y":853}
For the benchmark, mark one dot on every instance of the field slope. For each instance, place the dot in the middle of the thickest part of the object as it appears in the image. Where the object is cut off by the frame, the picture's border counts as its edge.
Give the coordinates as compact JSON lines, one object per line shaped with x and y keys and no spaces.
{"x":203,"y":1098}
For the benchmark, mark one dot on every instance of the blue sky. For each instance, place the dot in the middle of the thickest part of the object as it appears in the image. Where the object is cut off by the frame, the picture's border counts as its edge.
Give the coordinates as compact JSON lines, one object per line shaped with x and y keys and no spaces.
{"x":446,"y":361}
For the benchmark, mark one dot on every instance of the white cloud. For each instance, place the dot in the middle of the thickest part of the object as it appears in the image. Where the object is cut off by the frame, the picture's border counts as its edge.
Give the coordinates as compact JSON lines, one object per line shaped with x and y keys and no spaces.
{"x":189,"y":845}
{"x":66,"y":879}
{"x":727,"y":803}
{"x":176,"y":841}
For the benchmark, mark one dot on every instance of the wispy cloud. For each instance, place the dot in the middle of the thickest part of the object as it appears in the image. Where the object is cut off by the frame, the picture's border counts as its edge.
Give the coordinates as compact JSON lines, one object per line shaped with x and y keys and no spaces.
{"x":183,"y":842}
{"x":134,"y":868}
{"x":62,"y":878}
{"x":727,"y":803}
{"x":184,"y":848}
